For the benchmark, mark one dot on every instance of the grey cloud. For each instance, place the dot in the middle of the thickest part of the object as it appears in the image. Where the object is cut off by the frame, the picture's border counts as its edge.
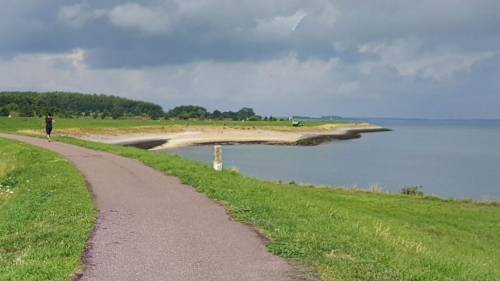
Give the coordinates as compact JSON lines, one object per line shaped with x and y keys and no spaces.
{"x":430,"y":58}
{"x":136,"y":16}
{"x":282,"y":86}
{"x":137,"y":34}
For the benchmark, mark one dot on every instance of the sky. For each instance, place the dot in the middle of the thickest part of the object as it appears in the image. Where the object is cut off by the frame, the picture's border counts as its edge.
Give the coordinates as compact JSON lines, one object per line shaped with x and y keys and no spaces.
{"x":404,"y":58}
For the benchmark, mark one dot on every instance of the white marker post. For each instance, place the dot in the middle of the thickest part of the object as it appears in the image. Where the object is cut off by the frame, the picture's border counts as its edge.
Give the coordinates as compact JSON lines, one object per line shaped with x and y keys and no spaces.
{"x":218,"y":158}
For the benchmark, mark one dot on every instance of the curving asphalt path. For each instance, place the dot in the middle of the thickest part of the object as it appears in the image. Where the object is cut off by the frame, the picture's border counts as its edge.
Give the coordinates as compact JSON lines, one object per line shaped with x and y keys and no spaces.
{"x":151,"y":227}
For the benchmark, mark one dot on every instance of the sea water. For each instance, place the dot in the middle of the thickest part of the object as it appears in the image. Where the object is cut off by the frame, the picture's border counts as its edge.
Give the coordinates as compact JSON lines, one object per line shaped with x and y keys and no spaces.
{"x":456,"y":159}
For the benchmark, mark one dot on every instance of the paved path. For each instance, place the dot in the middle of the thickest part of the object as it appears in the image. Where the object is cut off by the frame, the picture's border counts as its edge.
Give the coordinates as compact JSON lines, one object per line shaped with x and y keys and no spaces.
{"x":151,"y":227}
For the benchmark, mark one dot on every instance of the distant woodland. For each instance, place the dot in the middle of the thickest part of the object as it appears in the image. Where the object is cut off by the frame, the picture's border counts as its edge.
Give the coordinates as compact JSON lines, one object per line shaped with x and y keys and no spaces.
{"x":72,"y":105}
{"x":197,"y":112}
{"x":65,"y":104}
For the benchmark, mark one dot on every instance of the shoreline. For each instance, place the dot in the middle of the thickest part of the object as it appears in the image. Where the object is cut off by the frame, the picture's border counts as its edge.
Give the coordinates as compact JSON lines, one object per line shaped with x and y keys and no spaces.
{"x":231,"y":136}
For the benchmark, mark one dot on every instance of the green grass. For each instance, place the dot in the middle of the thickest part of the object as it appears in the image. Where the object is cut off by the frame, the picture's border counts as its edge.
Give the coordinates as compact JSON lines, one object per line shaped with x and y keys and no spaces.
{"x":46,"y":214}
{"x":350,"y":235}
{"x":341,"y":234}
{"x":30,"y":123}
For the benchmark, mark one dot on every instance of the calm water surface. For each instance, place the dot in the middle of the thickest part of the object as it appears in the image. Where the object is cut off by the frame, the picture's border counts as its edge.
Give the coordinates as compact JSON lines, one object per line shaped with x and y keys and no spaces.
{"x":459,"y":159}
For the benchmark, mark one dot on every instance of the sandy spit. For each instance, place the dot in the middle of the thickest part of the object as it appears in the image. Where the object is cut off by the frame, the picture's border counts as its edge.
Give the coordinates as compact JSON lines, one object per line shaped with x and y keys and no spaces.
{"x":225,"y":135}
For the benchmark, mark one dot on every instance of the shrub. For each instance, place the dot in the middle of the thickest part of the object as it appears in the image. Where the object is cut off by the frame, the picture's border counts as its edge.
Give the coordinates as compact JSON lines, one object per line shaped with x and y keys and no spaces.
{"x":4,"y":111}
{"x":233,"y":170}
{"x":412,"y":190}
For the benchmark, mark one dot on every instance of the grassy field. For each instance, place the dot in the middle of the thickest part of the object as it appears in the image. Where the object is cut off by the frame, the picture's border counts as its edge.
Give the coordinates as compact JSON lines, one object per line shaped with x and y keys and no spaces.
{"x":30,"y":123}
{"x":46,"y":214}
{"x":350,"y":235}
{"x":343,"y":234}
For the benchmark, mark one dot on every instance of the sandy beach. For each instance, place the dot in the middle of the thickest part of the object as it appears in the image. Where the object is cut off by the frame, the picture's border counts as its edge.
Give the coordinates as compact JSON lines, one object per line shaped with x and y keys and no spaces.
{"x":225,"y":135}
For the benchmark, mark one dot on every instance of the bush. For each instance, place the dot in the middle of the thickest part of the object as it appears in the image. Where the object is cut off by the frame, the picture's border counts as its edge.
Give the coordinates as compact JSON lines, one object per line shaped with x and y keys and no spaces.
{"x":412,"y":190}
{"x":255,"y":118}
{"x":4,"y":111}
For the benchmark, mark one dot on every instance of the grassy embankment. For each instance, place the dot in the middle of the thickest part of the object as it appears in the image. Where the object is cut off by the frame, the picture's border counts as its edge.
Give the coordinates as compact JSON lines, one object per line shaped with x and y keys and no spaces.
{"x":350,"y":235}
{"x":46,"y":214}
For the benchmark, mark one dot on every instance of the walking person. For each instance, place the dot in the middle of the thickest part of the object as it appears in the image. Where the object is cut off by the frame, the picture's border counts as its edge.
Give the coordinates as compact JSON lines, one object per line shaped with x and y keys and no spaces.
{"x":49,"y":121}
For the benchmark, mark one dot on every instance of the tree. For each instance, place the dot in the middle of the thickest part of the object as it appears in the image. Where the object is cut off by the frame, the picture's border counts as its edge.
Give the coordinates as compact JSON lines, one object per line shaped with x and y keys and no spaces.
{"x":4,"y":111}
{"x":74,"y":104}
{"x":12,"y":107}
{"x":188,"y":112}
{"x":66,"y":104}
{"x":255,"y":118}
{"x":156,"y":115}
{"x":25,"y":110}
{"x":116,"y":113}
{"x":230,"y":115}
{"x":245,"y":113}
{"x":216,"y":115}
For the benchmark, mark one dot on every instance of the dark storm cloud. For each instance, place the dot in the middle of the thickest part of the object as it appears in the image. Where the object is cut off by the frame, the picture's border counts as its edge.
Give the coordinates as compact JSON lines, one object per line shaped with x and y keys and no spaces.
{"x":133,"y":34}
{"x":130,"y":34}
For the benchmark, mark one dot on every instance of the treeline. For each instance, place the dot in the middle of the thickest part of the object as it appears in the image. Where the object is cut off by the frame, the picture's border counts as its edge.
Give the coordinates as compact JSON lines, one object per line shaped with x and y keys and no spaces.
{"x":186,"y":112}
{"x":66,"y":104}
